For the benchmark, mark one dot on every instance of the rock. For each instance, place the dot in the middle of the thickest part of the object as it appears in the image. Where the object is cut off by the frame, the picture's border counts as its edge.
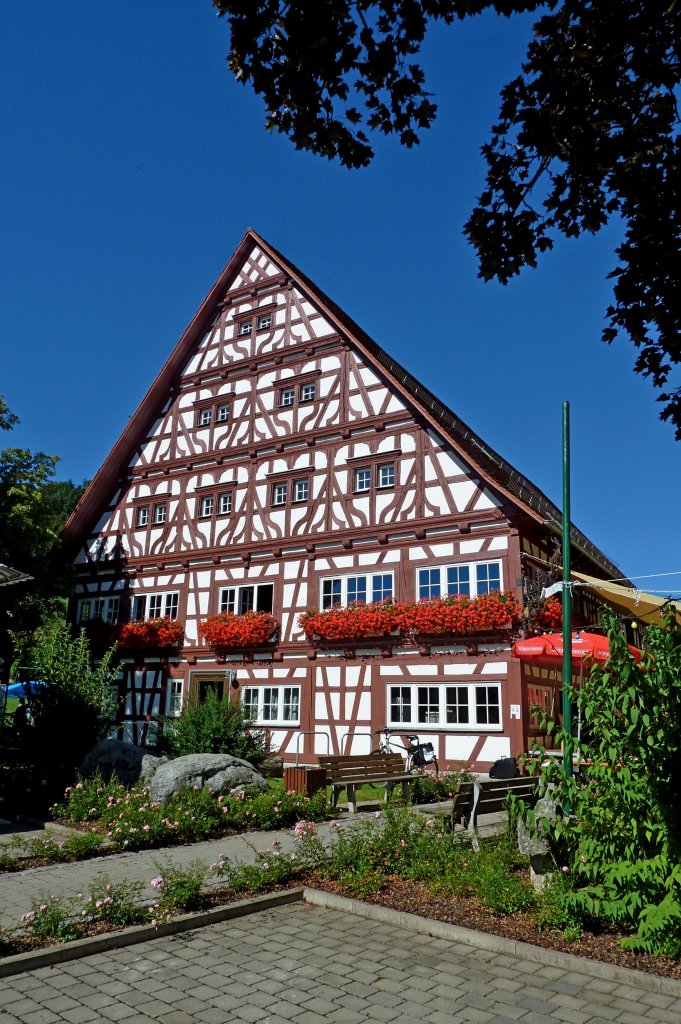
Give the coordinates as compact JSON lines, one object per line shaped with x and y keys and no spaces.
{"x":216,"y":772}
{"x":272,"y":767}
{"x":534,"y":842}
{"x":126,"y":761}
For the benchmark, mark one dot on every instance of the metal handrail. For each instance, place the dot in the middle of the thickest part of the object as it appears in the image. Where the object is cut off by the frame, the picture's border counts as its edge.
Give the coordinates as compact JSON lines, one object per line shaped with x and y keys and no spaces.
{"x":312,"y":733}
{"x":345,"y":736}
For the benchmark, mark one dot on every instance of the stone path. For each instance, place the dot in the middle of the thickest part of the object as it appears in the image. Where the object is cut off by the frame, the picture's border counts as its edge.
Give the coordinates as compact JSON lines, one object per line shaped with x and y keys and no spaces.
{"x":311,"y":965}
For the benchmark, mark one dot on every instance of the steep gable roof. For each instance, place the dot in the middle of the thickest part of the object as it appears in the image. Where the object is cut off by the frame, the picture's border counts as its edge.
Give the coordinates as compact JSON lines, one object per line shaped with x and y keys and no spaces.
{"x":490,"y":465}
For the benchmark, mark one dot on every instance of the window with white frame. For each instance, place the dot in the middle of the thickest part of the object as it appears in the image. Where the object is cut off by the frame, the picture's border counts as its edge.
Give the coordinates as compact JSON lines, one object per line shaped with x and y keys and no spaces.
{"x":245,"y":327}
{"x":143,"y":515}
{"x":205,"y":416}
{"x":225,"y":503}
{"x":104,"y":608}
{"x":253,"y":598}
{"x":279,"y":494}
{"x":287,"y":396}
{"x":222,"y":413}
{"x":264,"y":321}
{"x":385,"y":474}
{"x":160,"y":512}
{"x":447,"y":706}
{"x":174,"y":698}
{"x":367,"y":588}
{"x":470,"y":579}
{"x":308,"y":392}
{"x":155,"y":606}
{"x":271,"y":705}
{"x":301,"y":490}
{"x":206,"y":506}
{"x":362,"y":479}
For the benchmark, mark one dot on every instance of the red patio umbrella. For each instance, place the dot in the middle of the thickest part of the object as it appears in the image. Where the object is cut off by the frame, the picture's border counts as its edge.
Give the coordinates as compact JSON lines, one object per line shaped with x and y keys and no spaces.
{"x":547,"y":650}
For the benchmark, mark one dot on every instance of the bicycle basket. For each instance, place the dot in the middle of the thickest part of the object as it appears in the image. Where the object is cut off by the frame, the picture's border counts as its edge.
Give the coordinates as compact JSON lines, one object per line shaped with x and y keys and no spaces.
{"x":423,"y":755}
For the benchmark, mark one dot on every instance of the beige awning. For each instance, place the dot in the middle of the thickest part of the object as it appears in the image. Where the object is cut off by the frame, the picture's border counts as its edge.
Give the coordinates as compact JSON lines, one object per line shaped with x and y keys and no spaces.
{"x":646,"y":607}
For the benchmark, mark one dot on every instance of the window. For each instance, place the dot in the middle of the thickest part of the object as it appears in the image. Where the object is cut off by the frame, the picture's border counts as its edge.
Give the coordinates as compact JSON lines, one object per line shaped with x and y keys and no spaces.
{"x":225,"y":503}
{"x":301,"y":490}
{"x":104,"y":608}
{"x":472,"y":705}
{"x":205,"y":416}
{"x":143,"y":515}
{"x":264,"y":321}
{"x":222,"y":413}
{"x":155,"y":606}
{"x":287,"y":396}
{"x":279,"y":494}
{"x":362,"y":480}
{"x":174,"y":698}
{"x":343,"y":590}
{"x":471,"y":580}
{"x":160,"y":512}
{"x":271,"y":705}
{"x":245,"y":327}
{"x":206,"y":506}
{"x":386,"y":475}
{"x":238,"y":600}
{"x":308,"y":392}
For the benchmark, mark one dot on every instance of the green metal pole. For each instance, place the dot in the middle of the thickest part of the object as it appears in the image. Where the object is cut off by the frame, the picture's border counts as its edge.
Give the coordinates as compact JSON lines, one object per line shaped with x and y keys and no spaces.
{"x":567,"y":592}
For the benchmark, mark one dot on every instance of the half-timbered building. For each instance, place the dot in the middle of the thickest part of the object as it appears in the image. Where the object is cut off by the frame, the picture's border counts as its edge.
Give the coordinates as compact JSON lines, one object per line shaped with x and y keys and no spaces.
{"x":280,"y":462}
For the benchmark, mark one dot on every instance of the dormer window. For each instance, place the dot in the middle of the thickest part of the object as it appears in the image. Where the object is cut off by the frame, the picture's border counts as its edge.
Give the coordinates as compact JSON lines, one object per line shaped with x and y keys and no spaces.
{"x":245,"y":327}
{"x":222,"y":413}
{"x":308,"y":392}
{"x":264,"y":321}
{"x":287,"y":397}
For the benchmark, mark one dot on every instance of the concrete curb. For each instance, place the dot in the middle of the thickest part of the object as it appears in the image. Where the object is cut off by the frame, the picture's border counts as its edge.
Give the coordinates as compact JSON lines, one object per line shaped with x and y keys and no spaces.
{"x":142,"y":933}
{"x":494,"y":943}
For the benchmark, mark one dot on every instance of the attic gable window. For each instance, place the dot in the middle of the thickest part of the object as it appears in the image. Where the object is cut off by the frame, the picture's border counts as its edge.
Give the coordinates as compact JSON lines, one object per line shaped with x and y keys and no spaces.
{"x":142,"y":515}
{"x":225,"y":503}
{"x":204,"y":417}
{"x":287,"y":397}
{"x":206,"y":506}
{"x":308,"y":392}
{"x":264,"y":321}
{"x":279,"y":492}
{"x":222,"y":413}
{"x":362,"y":480}
{"x":160,"y":512}
{"x":245,"y":327}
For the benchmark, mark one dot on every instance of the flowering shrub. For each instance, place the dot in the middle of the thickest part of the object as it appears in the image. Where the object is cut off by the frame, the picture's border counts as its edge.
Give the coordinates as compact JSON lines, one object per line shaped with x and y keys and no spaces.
{"x":356,"y":621}
{"x":230,"y":630}
{"x":150,"y":633}
{"x":178,"y":888}
{"x":458,"y":615}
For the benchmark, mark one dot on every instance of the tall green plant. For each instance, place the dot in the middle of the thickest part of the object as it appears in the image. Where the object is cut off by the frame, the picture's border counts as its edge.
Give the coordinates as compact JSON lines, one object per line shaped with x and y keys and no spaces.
{"x":213,"y":726}
{"x":622,"y":838}
{"x":75,"y":706}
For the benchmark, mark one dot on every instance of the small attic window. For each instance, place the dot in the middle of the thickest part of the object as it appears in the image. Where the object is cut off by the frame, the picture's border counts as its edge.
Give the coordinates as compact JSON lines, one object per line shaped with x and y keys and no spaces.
{"x":245,"y":327}
{"x":264,"y":321}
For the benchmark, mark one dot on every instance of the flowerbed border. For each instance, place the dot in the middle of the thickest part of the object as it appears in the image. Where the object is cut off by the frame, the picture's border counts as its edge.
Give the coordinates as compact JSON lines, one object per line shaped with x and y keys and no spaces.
{"x":79,"y":948}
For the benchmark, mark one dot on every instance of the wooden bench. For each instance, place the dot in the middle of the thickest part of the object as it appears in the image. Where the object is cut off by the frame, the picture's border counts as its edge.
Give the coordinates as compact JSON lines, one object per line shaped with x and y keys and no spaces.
{"x":352,"y":771}
{"x":486,"y":796}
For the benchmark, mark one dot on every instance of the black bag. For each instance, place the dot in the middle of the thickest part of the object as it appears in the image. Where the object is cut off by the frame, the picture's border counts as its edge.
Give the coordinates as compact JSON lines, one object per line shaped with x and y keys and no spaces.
{"x":423,"y":754}
{"x":504,"y":768}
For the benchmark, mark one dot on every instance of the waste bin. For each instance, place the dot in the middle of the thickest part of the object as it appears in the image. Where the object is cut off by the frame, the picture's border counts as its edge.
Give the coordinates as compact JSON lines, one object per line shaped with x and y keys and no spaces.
{"x":304,"y":780}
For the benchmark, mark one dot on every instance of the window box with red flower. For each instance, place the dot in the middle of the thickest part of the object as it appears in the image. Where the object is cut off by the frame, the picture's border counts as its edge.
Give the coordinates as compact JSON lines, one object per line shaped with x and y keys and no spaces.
{"x":151,"y":633}
{"x":228,"y":631}
{"x":356,"y":622}
{"x":459,"y":615}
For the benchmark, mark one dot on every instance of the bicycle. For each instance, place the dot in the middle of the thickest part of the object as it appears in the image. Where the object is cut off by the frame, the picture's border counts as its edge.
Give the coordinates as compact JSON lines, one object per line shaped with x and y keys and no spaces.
{"x":418,"y":755}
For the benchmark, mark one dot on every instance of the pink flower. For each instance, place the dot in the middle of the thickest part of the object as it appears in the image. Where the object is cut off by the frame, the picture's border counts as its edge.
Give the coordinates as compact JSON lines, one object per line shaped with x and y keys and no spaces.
{"x":377,"y":814}
{"x":157,"y":882}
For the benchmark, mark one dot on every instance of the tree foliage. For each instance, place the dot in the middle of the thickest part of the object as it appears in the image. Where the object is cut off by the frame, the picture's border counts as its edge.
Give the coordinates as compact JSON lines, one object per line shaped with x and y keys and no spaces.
{"x":621,"y":830}
{"x":33,"y":510}
{"x":588,"y":131}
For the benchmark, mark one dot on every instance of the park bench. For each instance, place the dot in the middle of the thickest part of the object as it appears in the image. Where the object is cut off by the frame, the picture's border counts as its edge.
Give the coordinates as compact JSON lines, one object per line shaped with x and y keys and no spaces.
{"x":487,"y":796}
{"x":352,"y":771}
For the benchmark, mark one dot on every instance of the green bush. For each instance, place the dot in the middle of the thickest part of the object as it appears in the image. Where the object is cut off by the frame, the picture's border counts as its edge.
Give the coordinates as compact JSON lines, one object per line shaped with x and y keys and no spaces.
{"x":213,"y":726}
{"x":620,"y":827}
{"x":116,"y":903}
{"x":178,"y":888}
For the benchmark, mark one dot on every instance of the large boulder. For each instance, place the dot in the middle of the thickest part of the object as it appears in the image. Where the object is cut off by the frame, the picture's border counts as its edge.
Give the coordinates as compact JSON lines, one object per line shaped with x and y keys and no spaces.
{"x":129,"y":763}
{"x":272,"y":767}
{"x":216,"y":772}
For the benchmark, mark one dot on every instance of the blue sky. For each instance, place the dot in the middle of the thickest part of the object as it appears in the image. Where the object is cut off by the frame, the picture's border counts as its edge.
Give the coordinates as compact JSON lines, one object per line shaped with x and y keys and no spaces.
{"x":132,"y":165}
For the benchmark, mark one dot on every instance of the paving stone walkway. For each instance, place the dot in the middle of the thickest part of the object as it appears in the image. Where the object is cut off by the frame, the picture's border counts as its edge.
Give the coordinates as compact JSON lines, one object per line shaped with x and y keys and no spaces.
{"x":310,"y":965}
